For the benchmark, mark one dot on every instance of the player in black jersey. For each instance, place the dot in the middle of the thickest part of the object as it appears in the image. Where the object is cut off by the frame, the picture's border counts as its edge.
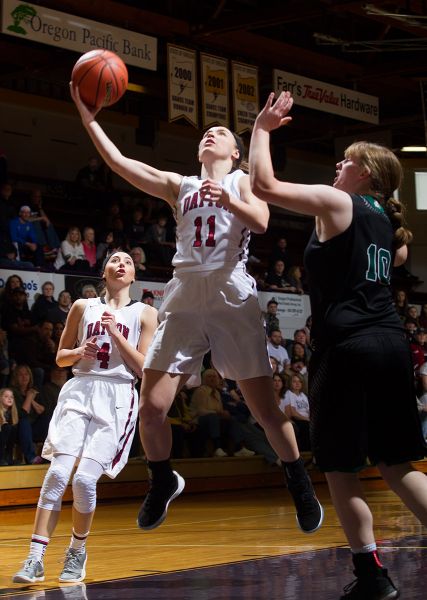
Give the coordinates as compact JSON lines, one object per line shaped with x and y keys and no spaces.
{"x":362,"y":397}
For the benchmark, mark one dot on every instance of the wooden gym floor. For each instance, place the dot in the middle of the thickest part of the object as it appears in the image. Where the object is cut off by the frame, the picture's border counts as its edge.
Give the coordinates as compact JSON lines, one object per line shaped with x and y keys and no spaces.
{"x":222,"y":545}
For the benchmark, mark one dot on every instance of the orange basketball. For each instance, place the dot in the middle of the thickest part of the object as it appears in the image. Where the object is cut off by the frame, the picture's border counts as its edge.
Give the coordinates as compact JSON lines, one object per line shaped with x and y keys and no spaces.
{"x":101,"y":77}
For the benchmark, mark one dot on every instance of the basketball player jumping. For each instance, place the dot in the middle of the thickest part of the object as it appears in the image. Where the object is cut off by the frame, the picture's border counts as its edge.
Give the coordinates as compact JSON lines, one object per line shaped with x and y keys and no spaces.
{"x":210,"y":304}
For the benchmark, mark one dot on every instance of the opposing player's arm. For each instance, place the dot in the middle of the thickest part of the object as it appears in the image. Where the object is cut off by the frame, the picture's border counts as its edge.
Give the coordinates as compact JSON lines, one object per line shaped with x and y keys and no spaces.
{"x":162,"y":184}
{"x":67,"y":353}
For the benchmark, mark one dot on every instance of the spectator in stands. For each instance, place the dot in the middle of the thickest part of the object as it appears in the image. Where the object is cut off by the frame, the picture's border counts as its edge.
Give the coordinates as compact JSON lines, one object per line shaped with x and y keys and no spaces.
{"x":276,"y":279}
{"x":423,"y":316}
{"x":38,"y":352}
{"x":419,"y":340}
{"x":300,"y":337}
{"x":7,"y":213}
{"x":185,"y":434}
{"x":135,"y":228}
{"x":214,"y":422}
{"x":294,"y":278}
{"x":33,"y":423}
{"x":17,"y":321}
{"x":279,"y":385}
{"x":9,"y":258}
{"x":105,"y":248}
{"x":297,"y":409}
{"x":47,"y":237}
{"x":412,"y":314}
{"x":71,"y":256}
{"x":297,"y":366}
{"x":114,"y":210}
{"x":160,"y":249}
{"x":58,"y":328}
{"x":280,"y":251}
{"x":8,"y":426}
{"x":5,"y":363}
{"x":60,"y":312}
{"x":275,"y":348}
{"x":23,"y":235}
{"x":148,"y":298}
{"x":307,"y":328}
{"x":89,"y":246}
{"x":270,"y":316}
{"x":12,"y":282}
{"x":401,"y":303}
{"x":410,"y":328}
{"x":274,"y":364}
{"x":50,"y":391}
{"x":44,"y":302}
{"x":138,"y":256}
{"x":89,"y":291}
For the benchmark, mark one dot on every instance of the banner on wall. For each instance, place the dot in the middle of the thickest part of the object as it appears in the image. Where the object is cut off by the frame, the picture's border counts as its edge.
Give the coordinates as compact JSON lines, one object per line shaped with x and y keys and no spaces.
{"x":245,"y":96}
{"x":215,"y":107}
{"x":182,"y":85}
{"x":326,"y":97}
{"x":46,"y":26}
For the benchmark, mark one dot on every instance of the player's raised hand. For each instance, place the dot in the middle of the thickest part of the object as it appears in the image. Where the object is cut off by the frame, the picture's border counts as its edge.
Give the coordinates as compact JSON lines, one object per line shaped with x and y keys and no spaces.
{"x":275,"y":114}
{"x":87,"y":113}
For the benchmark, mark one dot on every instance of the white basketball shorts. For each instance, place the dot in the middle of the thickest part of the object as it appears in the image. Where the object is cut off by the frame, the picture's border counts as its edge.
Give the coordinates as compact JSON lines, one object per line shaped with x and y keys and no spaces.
{"x":94,"y":418}
{"x":210,"y":310}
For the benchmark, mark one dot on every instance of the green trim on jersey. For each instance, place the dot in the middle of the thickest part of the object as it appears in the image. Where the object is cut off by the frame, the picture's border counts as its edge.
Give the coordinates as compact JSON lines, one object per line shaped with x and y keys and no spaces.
{"x":374,"y":203}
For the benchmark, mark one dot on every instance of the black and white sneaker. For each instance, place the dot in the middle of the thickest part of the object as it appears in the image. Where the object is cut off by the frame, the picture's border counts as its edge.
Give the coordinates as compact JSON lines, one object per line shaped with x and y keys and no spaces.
{"x":309,"y":510}
{"x":155,"y":506}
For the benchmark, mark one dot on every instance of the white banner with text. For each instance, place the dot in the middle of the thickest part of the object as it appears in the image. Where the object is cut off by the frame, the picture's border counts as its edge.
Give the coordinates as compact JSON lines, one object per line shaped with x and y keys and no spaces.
{"x":326,"y":97}
{"x":39,"y":24}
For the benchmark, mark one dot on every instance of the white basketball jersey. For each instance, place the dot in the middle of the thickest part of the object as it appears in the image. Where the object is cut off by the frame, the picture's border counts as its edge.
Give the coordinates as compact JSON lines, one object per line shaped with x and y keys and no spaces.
{"x":109,"y":362}
{"x":209,"y":236}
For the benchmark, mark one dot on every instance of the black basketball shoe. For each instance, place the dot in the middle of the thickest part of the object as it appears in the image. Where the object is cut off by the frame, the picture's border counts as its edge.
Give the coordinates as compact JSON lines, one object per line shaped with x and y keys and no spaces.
{"x":309,"y":510}
{"x":377,"y":587}
{"x":155,"y":506}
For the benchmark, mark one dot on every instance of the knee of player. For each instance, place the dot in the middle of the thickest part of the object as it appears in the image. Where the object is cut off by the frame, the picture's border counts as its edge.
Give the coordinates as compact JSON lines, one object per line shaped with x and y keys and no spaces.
{"x":151,"y":414}
{"x":84,"y":492}
{"x":54,"y":486}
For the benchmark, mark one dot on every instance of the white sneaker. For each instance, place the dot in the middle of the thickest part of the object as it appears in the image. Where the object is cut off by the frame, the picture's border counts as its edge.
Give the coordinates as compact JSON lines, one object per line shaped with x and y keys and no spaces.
{"x":244,"y":452}
{"x":220,"y":453}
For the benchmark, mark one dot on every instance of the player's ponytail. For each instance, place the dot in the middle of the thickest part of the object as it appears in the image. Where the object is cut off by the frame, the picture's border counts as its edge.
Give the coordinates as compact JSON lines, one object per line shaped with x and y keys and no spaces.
{"x":240,"y":162}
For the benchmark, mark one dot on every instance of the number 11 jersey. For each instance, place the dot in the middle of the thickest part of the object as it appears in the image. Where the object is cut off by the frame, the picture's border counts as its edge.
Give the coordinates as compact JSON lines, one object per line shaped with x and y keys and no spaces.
{"x":209,"y":236}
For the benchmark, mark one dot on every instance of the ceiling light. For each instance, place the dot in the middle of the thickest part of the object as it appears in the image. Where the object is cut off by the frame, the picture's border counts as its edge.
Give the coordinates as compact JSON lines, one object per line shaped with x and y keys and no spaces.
{"x":414,"y":149}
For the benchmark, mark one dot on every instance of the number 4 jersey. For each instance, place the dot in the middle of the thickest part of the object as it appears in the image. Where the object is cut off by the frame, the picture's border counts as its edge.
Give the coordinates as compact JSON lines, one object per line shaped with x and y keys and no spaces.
{"x":109,"y":362}
{"x":209,"y":236}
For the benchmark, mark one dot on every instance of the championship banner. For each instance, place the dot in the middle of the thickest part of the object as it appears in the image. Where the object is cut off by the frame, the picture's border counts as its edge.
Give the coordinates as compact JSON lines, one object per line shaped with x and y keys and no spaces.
{"x":46,"y":26}
{"x":214,"y":90}
{"x":326,"y":97}
{"x":182,"y":85}
{"x":245,"y":96}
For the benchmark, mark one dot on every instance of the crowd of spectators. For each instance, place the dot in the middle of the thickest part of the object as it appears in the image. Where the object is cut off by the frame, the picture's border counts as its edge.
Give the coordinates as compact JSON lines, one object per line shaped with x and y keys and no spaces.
{"x":211,"y":420}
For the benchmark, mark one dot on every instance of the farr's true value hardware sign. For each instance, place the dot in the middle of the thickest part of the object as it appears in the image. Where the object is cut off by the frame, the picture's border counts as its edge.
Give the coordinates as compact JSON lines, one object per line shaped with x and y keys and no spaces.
{"x":326,"y":97}
{"x":59,"y":29}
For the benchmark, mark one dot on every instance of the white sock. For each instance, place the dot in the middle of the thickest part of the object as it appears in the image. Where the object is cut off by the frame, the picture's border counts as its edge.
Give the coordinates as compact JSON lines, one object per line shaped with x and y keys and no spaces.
{"x":365,"y":549}
{"x":38,"y":546}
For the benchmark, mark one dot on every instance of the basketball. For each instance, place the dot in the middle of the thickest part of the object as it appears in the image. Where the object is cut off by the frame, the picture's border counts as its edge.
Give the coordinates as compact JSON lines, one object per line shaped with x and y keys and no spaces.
{"x":101,"y":77}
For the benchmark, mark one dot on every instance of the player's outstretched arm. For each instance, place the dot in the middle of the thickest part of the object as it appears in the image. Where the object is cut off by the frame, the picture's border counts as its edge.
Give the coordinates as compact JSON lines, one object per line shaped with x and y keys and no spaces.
{"x":162,"y":184}
{"x":313,"y":200}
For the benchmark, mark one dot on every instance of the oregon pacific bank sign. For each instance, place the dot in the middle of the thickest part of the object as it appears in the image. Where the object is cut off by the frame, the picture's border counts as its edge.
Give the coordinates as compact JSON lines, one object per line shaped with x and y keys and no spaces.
{"x":59,"y":29}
